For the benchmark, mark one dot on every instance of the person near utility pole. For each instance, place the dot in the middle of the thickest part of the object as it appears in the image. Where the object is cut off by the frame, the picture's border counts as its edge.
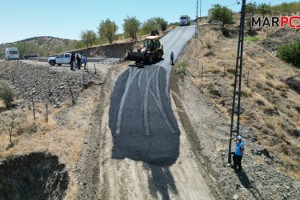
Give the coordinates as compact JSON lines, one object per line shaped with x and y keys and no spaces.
{"x":172,"y":58}
{"x":238,"y":154}
{"x":72,"y":63}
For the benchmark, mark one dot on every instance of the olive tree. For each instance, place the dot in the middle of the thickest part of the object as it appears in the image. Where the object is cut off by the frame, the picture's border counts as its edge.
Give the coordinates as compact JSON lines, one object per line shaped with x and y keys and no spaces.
{"x":108,"y":29}
{"x":88,"y":37}
{"x":222,"y":14}
{"x":131,"y":26}
{"x":155,"y":23}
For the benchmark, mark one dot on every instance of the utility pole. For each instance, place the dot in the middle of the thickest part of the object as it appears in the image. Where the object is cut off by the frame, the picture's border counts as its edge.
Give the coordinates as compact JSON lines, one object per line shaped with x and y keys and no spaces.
{"x":236,"y":111}
{"x":200,"y":12}
{"x":196,"y":27}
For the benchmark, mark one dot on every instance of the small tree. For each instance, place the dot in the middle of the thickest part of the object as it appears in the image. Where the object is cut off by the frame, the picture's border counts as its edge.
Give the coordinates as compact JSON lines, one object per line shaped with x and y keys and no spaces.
{"x":131,"y":26}
{"x":251,"y":8}
{"x":149,"y":26}
{"x":162,"y":23}
{"x":9,"y":123}
{"x":6,"y":94}
{"x":222,"y":14}
{"x":264,"y":9}
{"x":108,"y":29}
{"x":156,"y":23}
{"x":88,"y":37}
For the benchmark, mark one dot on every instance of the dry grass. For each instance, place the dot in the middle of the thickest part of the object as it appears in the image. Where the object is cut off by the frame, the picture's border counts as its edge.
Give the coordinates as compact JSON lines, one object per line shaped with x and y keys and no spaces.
{"x":209,"y":39}
{"x":261,"y":101}
{"x":269,"y":100}
{"x":62,"y":139}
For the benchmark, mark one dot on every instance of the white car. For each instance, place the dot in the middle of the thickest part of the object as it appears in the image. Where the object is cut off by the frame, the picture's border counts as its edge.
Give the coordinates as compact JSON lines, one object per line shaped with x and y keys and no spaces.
{"x":11,"y":53}
{"x":60,"y":59}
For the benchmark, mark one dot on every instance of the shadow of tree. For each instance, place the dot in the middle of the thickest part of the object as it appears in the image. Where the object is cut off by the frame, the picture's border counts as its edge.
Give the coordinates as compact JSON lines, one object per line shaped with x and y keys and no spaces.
{"x":161,"y":181}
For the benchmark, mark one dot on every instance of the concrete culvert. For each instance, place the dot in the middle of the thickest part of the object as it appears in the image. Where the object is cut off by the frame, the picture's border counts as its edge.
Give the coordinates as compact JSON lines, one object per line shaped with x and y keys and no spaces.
{"x":35,"y":176}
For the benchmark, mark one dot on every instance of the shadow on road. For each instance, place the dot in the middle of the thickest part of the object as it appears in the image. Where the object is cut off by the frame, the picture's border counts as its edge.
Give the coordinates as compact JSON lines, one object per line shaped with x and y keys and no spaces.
{"x":161,"y":181}
{"x":141,"y":119}
{"x":247,"y":184}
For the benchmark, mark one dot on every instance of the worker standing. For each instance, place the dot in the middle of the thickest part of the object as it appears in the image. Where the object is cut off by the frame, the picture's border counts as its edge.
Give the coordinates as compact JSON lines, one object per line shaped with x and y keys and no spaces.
{"x":72,"y":63}
{"x":172,"y":58}
{"x":238,"y":154}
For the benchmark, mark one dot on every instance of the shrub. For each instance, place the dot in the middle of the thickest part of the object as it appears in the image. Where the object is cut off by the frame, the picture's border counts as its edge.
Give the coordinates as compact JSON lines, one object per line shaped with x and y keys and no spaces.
{"x":251,"y":38}
{"x":182,"y":68}
{"x":6,"y":94}
{"x":290,"y":53}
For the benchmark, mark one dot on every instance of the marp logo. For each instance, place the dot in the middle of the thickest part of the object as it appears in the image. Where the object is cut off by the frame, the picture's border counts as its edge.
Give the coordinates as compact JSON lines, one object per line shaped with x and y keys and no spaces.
{"x":292,"y":21}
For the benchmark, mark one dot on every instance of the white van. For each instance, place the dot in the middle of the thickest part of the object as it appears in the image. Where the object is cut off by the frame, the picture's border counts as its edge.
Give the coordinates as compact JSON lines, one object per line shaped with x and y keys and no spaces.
{"x":11,"y":53}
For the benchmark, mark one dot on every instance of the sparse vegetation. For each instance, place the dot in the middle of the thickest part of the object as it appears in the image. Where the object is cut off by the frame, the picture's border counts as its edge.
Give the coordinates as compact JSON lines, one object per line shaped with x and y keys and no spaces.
{"x":182,"y":66}
{"x":251,"y":38}
{"x":6,"y":94}
{"x":209,"y":39}
{"x":8,"y":123}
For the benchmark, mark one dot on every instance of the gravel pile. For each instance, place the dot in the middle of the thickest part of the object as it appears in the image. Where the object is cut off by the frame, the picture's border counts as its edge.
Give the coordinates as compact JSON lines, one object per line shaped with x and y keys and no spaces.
{"x":39,"y":82}
{"x":111,"y":61}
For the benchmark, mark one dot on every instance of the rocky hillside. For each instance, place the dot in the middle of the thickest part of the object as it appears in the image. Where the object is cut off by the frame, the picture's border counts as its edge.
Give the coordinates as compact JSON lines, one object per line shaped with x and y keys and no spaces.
{"x":41,"y":46}
{"x":270,"y":110}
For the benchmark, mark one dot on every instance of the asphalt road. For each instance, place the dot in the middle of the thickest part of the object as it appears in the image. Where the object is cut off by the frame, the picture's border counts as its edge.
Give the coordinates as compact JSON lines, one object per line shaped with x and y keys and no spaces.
{"x":141,"y":119}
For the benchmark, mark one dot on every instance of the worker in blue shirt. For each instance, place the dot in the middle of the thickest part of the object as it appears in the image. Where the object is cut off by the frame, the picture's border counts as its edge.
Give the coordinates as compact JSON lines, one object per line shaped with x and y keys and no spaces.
{"x":238,"y":154}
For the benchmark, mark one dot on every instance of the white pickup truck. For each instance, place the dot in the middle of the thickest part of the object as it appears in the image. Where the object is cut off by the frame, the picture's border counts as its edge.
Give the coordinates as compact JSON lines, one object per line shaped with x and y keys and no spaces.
{"x":60,"y":59}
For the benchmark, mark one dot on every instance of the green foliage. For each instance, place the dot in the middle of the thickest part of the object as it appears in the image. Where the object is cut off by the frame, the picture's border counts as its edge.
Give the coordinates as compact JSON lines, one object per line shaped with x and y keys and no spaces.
{"x":7,"y":94}
{"x":252,"y":39}
{"x":156,"y":23}
{"x":26,"y":48}
{"x":290,"y":53}
{"x":222,"y":14}
{"x":163,"y":24}
{"x":88,"y":37}
{"x":290,"y":8}
{"x":251,"y":8}
{"x":182,"y":66}
{"x":131,"y":26}
{"x":264,"y":9}
{"x":108,"y":29}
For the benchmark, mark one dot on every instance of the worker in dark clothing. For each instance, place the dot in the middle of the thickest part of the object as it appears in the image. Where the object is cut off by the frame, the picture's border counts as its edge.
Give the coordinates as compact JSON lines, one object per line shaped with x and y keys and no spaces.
{"x":78,"y":58}
{"x":72,"y":63}
{"x":238,"y":154}
{"x":172,"y":58}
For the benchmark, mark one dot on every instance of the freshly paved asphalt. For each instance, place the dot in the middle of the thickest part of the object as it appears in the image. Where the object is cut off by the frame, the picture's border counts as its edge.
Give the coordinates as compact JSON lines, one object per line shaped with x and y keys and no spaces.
{"x":141,"y":119}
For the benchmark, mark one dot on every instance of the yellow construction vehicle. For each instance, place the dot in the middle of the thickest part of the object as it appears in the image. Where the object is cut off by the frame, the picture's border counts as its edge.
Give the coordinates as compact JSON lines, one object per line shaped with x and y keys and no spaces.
{"x":150,"y":52}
